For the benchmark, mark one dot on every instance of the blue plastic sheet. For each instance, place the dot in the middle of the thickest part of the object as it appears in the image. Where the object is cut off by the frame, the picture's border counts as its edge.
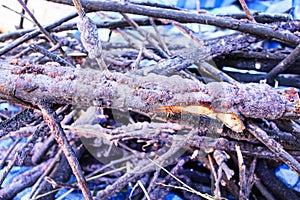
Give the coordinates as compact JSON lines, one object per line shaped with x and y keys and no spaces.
{"x":288,"y":177}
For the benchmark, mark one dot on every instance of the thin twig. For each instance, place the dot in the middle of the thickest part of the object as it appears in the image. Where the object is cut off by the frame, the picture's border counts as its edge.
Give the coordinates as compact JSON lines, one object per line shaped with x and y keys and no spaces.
{"x":22,"y":14}
{"x":206,"y":196}
{"x":42,"y":29}
{"x":283,"y":65}
{"x":136,"y":63}
{"x":11,"y":148}
{"x":188,"y":32}
{"x":159,"y":38}
{"x":132,"y":43}
{"x":246,"y":10}
{"x":50,"y":55}
{"x":34,"y":33}
{"x":145,"y":35}
{"x":242,"y":174}
{"x":47,"y":171}
{"x":79,"y":9}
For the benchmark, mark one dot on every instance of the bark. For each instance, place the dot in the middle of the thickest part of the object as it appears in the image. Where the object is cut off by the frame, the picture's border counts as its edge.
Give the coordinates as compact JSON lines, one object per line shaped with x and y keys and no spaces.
{"x":148,"y":93}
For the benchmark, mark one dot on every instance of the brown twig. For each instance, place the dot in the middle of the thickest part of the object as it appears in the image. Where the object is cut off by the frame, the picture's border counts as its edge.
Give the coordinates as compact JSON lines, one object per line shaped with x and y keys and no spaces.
{"x":37,"y":184}
{"x":79,"y":9}
{"x":242,"y":174}
{"x":246,"y":10}
{"x":60,"y":137}
{"x":188,"y":32}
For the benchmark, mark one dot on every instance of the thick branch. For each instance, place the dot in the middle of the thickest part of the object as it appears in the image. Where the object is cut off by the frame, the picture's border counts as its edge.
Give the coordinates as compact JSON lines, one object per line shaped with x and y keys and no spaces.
{"x":149,"y":93}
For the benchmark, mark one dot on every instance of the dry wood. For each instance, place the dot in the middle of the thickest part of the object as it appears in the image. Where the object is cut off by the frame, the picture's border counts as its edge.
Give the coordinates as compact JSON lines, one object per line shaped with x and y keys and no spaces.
{"x":149,"y":93}
{"x":172,"y":88}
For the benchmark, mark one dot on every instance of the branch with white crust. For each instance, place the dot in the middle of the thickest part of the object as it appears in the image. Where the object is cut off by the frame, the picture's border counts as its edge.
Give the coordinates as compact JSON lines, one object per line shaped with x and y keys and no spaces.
{"x":150,"y":93}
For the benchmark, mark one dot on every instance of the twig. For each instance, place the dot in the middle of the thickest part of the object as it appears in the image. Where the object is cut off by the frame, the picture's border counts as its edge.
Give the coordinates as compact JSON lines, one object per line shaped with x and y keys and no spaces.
{"x":217,"y":176}
{"x":22,"y":181}
{"x":283,"y":65}
{"x":159,"y":38}
{"x":42,"y":29}
{"x":8,"y":152}
{"x":49,"y":37}
{"x":47,"y":171}
{"x":188,"y":32}
{"x":251,"y":175}
{"x":153,"y":180}
{"x":215,"y":72}
{"x":72,"y":26}
{"x":246,"y":10}
{"x":50,"y":55}
{"x":79,"y":9}
{"x":145,"y":35}
{"x":132,"y":43}
{"x":274,"y":146}
{"x":136,"y":63}
{"x":277,"y":187}
{"x":56,"y":129}
{"x":206,"y":196}
{"x":144,"y":189}
{"x":34,"y":33}
{"x":261,"y":17}
{"x":242,"y":174}
{"x":22,"y":14}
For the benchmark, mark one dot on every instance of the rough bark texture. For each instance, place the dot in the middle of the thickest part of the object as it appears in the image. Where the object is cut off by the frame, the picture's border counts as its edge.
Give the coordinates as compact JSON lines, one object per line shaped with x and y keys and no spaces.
{"x":63,"y":85}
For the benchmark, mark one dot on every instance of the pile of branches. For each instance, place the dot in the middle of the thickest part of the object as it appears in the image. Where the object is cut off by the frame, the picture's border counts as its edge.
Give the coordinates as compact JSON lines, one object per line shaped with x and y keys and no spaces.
{"x":181,"y":125}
